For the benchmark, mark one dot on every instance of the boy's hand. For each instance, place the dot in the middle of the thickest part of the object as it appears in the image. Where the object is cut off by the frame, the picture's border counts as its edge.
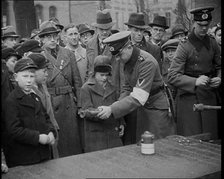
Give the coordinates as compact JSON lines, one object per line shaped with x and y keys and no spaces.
{"x":121,"y":130}
{"x":44,"y":139}
{"x":5,"y":168}
{"x":52,"y":138}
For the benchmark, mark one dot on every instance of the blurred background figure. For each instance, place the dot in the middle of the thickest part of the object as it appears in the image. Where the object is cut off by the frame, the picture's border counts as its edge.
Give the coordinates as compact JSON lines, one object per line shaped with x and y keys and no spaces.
{"x":178,"y":32}
{"x":218,"y":35}
{"x":86,"y":33}
{"x":9,"y":37}
{"x":34,"y":35}
{"x":147,"y":34}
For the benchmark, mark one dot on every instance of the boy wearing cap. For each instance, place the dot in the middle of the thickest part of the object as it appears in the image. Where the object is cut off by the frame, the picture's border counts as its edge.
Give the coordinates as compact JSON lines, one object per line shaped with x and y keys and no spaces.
{"x":142,"y":90}
{"x":64,"y":83}
{"x":196,"y":73}
{"x":29,"y":130}
{"x":40,"y":89}
{"x":99,"y":134}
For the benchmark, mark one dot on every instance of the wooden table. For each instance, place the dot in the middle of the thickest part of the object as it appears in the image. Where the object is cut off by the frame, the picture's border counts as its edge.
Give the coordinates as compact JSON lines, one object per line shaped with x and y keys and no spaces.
{"x":175,"y":157}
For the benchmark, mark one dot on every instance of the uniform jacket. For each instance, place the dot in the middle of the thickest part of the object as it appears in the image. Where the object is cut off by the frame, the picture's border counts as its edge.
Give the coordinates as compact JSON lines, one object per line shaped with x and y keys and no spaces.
{"x":194,"y":58}
{"x":92,"y":51}
{"x":154,"y":50}
{"x":26,"y":119}
{"x":64,"y":85}
{"x":99,"y":134}
{"x":142,"y":72}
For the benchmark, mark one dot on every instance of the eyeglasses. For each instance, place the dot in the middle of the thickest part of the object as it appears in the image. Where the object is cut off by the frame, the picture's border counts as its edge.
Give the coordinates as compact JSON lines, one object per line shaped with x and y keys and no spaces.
{"x":158,"y":29}
{"x":87,"y":34}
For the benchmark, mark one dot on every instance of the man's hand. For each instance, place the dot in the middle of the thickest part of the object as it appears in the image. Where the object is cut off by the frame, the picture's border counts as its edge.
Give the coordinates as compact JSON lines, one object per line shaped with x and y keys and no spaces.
{"x":202,"y":80}
{"x":105,"y":112}
{"x":121,"y":130}
{"x":44,"y":139}
{"x":215,"y":82}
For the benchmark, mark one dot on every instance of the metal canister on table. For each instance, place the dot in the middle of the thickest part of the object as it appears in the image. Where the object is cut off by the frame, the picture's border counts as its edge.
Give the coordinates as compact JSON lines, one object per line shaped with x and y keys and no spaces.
{"x":147,"y":143}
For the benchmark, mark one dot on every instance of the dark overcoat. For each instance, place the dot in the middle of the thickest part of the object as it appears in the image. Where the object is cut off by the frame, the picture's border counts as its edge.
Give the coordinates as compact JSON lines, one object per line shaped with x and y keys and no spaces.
{"x":99,"y":134}
{"x":194,"y":58}
{"x":26,"y":119}
{"x":142,"y":74}
{"x":64,"y":85}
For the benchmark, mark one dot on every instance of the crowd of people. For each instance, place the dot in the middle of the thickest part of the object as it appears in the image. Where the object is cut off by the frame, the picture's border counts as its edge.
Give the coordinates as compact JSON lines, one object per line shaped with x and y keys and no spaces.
{"x":73,"y":89}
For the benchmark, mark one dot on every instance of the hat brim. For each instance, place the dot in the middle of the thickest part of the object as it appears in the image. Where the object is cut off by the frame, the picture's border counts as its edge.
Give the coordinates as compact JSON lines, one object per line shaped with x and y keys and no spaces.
{"x":41,"y":34}
{"x":185,"y":33}
{"x":91,"y":31}
{"x":60,"y":26}
{"x":153,"y":24}
{"x":6,"y":36}
{"x":38,"y":50}
{"x":137,"y":26}
{"x":103,"y":26}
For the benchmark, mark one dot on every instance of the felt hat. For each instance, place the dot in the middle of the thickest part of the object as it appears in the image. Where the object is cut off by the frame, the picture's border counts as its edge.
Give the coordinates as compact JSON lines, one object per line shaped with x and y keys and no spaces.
{"x":48,"y":27}
{"x":9,"y":31}
{"x":82,"y":28}
{"x":170,"y":44}
{"x":178,"y":29}
{"x":159,"y":21}
{"x":103,"y":20}
{"x":56,"y":22}
{"x":39,"y":60}
{"x":136,"y":20}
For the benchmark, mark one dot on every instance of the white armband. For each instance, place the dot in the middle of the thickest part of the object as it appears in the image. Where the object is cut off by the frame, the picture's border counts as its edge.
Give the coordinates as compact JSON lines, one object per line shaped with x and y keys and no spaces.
{"x":140,"y":94}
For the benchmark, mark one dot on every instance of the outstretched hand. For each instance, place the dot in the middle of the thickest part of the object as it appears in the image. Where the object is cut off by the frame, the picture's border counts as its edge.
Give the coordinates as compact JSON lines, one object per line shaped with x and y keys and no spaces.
{"x":105,"y":112}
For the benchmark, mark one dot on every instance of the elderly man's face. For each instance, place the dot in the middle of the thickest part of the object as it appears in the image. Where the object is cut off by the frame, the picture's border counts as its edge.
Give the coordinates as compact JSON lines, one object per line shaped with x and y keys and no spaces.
{"x":157,"y":33}
{"x":201,"y":28}
{"x":103,"y":33}
{"x":136,"y":34}
{"x":72,"y":36}
{"x":50,"y":40}
{"x":10,"y":42}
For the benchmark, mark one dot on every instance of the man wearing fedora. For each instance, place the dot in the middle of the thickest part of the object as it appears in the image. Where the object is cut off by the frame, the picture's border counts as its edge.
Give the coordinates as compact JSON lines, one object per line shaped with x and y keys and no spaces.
{"x":178,"y":32}
{"x":137,"y":26}
{"x":85,"y":34}
{"x":196,"y":73}
{"x":158,"y":29}
{"x":9,"y":37}
{"x":64,"y":85}
{"x":96,"y":47}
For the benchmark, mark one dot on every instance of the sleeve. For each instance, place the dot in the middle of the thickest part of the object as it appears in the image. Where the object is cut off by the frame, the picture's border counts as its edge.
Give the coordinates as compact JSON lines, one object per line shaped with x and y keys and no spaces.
{"x":77,"y":82}
{"x":15,"y":128}
{"x":176,"y":71}
{"x":140,"y":93}
{"x":217,"y":59}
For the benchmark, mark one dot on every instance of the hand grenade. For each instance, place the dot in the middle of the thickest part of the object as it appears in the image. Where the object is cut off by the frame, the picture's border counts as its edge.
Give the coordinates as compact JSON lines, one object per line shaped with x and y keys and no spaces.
{"x":147,"y":144}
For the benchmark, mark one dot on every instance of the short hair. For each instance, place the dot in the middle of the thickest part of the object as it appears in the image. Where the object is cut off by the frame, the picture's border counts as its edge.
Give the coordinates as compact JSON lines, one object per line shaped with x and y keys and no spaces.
{"x":69,"y":26}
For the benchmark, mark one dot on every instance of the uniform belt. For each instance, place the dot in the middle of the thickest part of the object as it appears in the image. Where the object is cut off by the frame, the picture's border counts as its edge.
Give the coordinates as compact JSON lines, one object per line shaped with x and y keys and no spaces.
{"x":60,"y":90}
{"x":156,"y":90}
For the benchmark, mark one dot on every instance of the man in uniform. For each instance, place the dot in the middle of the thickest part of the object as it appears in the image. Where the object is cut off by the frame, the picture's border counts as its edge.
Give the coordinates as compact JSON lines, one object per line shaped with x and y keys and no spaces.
{"x":196,"y":72}
{"x":143,"y":89}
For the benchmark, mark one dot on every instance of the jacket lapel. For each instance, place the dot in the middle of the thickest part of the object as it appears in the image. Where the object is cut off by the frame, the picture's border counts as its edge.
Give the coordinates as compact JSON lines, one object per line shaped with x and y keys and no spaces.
{"x":109,"y":90}
{"x":24,"y":99}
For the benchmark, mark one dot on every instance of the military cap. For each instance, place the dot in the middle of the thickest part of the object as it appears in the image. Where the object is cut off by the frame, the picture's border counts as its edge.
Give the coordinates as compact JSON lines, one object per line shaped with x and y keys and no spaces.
{"x":47,"y":27}
{"x":170,"y":44}
{"x":102,"y":64}
{"x":202,"y":13}
{"x":136,"y":20}
{"x":56,"y":22}
{"x":9,"y":31}
{"x":117,"y":41}
{"x":7,"y":52}
{"x":30,"y":45}
{"x":178,"y":29}
{"x":24,"y":64}
{"x":83,"y":28}
{"x":39,"y":60}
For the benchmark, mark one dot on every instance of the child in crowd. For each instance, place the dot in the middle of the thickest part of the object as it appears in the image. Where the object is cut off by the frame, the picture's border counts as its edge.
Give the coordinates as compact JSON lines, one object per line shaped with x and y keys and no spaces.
{"x":99,"y":134}
{"x":40,"y":89}
{"x":28,"y":128}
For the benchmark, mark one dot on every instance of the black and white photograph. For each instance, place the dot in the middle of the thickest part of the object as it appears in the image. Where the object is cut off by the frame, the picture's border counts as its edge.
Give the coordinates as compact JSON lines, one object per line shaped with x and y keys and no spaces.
{"x":111,"y":89}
